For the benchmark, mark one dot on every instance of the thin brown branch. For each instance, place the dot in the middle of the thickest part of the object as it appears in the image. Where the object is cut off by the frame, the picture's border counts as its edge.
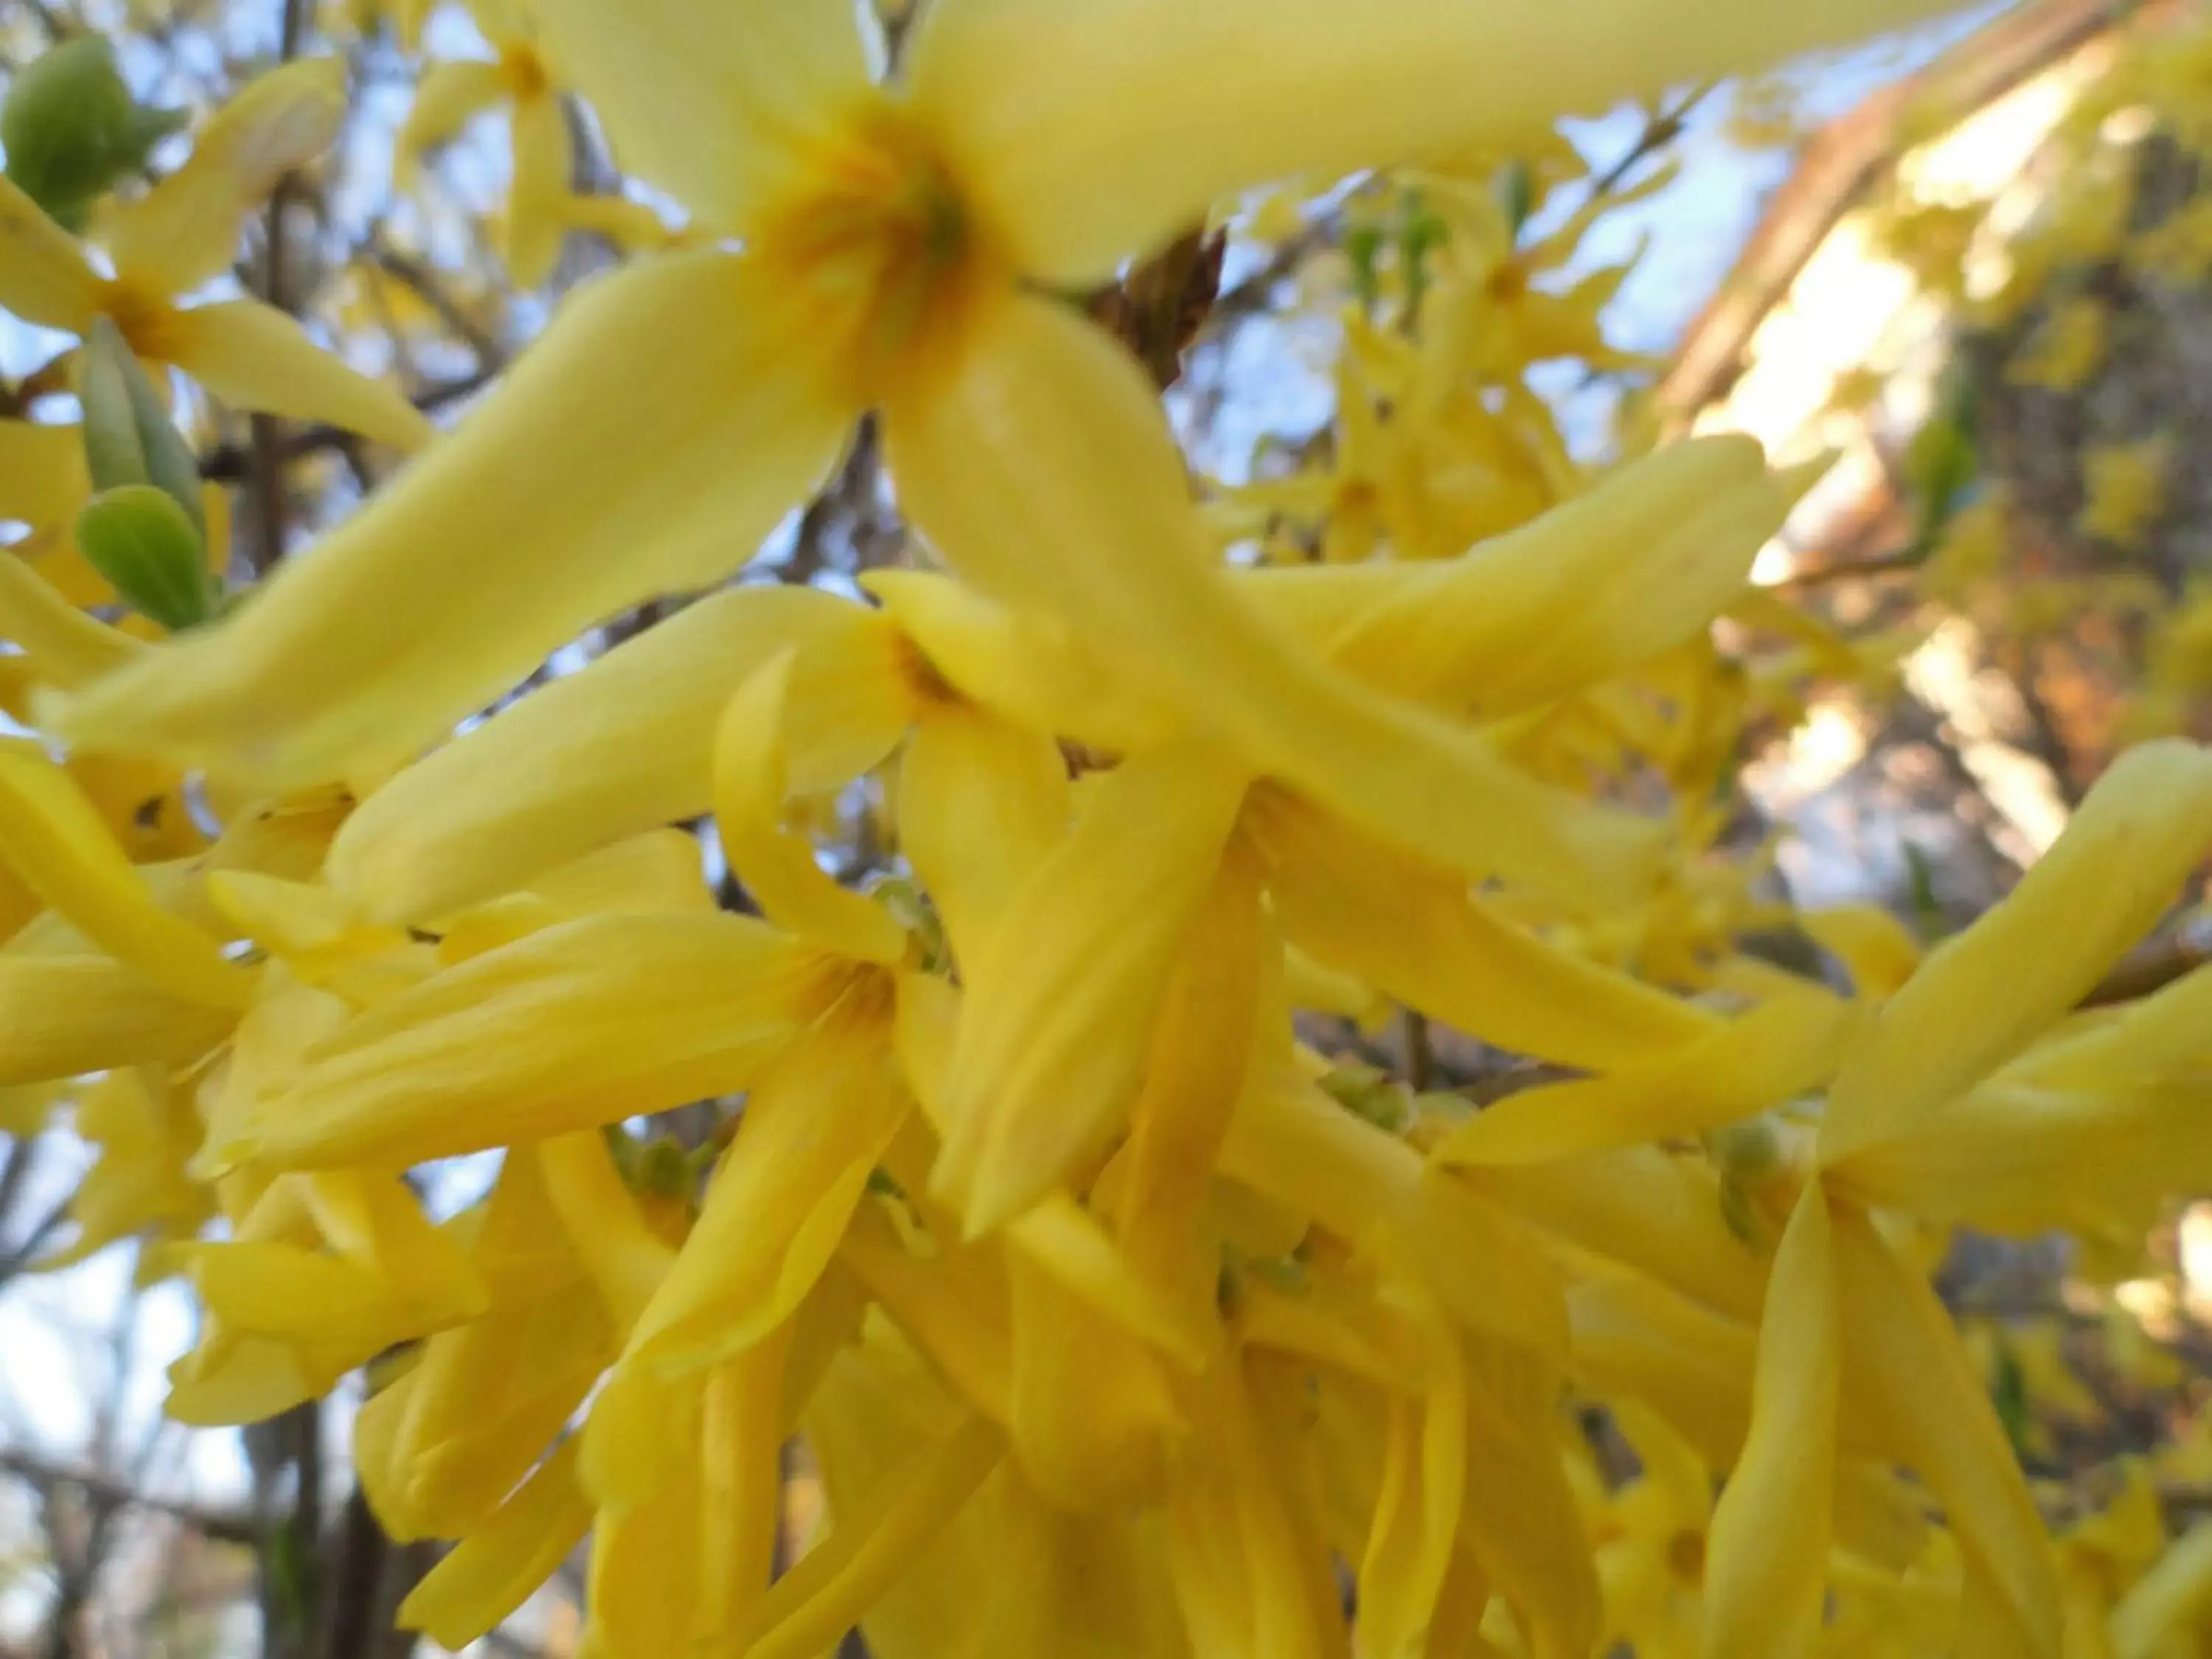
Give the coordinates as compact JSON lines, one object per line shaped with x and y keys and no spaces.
{"x":1661,"y":128}
{"x":1904,"y":560}
{"x":230,"y":463}
{"x":223,"y":1525}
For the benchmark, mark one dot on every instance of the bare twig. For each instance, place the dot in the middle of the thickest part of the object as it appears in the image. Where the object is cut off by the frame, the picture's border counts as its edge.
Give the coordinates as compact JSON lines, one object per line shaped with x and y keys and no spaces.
{"x":224,"y":1525}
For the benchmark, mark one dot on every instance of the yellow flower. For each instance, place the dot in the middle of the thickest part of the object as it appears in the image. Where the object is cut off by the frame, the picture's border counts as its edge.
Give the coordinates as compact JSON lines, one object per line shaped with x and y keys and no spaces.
{"x":893,"y":238}
{"x":452,"y":94}
{"x":180,"y":236}
{"x":145,"y":1129}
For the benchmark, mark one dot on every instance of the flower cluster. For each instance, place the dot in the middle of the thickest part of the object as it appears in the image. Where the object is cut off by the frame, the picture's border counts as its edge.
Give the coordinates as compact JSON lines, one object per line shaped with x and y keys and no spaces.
{"x":1115,"y":1315}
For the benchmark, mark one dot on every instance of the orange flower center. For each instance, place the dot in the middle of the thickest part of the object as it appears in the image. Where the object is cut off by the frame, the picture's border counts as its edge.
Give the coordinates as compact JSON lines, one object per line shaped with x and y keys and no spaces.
{"x":876,"y":233}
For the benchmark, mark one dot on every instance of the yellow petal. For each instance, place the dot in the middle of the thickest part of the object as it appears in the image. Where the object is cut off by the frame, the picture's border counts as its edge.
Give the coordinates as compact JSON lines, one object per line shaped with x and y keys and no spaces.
{"x":716,"y":110}
{"x":184,"y":231}
{"x":1520,"y":1522}
{"x":1981,"y":996}
{"x":253,"y":356}
{"x":644,"y":445}
{"x":1758,"y":1060}
{"x":1202,"y":1048}
{"x":625,"y":1259}
{"x":1768,"y":1561}
{"x":66,"y":646}
{"x":53,"y":838}
{"x":585,"y":1024}
{"x":1036,"y":460}
{"x":495,"y":1570}
{"x":624,"y":744}
{"x":378,"y":1221}
{"x":1092,"y":1412}
{"x":743,"y":1424}
{"x":43,"y":277}
{"x":815,"y":1123}
{"x":644,"y":1582}
{"x":1295,"y":1145}
{"x":535,"y":222}
{"x":2168,"y":1600}
{"x":42,"y":474}
{"x":1064,"y":996}
{"x":1420,"y":934}
{"x":1417,"y":1514}
{"x":2024,"y":1161}
{"x":447,"y":98}
{"x":981,"y":803}
{"x":1021,"y":666}
{"x":1903,"y":1364}
{"x":1086,"y":132}
{"x":777,"y":866}
{"x":1876,"y":950}
{"x":810,"y":1607}
{"x":1591,"y":589}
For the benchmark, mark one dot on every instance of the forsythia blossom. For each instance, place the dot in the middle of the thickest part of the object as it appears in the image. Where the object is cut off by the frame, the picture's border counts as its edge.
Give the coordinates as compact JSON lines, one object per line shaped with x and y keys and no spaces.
{"x":1116,"y":1317}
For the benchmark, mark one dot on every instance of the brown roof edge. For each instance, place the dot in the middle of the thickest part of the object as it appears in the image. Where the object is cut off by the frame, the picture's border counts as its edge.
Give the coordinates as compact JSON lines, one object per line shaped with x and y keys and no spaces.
{"x":1841,"y":161}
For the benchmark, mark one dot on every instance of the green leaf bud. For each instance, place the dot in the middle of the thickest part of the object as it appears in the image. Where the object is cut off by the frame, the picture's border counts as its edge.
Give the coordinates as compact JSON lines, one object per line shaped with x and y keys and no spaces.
{"x":139,"y":539}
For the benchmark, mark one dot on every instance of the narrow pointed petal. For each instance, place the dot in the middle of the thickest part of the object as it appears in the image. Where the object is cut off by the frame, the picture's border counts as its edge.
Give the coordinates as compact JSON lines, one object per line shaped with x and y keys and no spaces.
{"x":1520,"y":1522}
{"x":185,"y":231}
{"x":1591,"y":589}
{"x":448,"y":96}
{"x":1021,"y":666}
{"x":252,"y":356}
{"x":1088,"y":132}
{"x":643,"y":445}
{"x":2024,"y":1161}
{"x":1981,"y":995}
{"x":751,"y":773}
{"x":1420,"y":934}
{"x":44,"y":275}
{"x":42,"y":474}
{"x":1767,"y":1563}
{"x":826,"y":1594}
{"x":53,"y":838}
{"x":2172,"y":1598}
{"x":1758,"y":1060}
{"x":1063,"y":998}
{"x":1410,"y":1550}
{"x":582,"y":1024}
{"x":534,"y":221}
{"x":1876,"y":950}
{"x":1038,"y":463}
{"x":620,"y":1252}
{"x":625,"y":743}
{"x":496,"y":1568}
{"x":643,"y":1586}
{"x":1093,"y":1417}
{"x":1903,"y":1361}
{"x":815,"y":1123}
{"x":981,"y":803}
{"x":66,"y":646}
{"x":1202,"y":1048}
{"x":718,"y":109}
{"x":1639,"y":1206}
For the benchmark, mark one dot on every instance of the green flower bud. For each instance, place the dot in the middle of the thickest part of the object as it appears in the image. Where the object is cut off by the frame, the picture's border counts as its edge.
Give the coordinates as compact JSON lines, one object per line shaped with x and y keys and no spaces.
{"x":1747,"y":1152}
{"x":665,"y":1169}
{"x":139,"y":539}
{"x":1363,"y":247}
{"x":72,"y":129}
{"x":914,"y":911}
{"x":128,"y":439}
{"x":1369,"y":1092}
